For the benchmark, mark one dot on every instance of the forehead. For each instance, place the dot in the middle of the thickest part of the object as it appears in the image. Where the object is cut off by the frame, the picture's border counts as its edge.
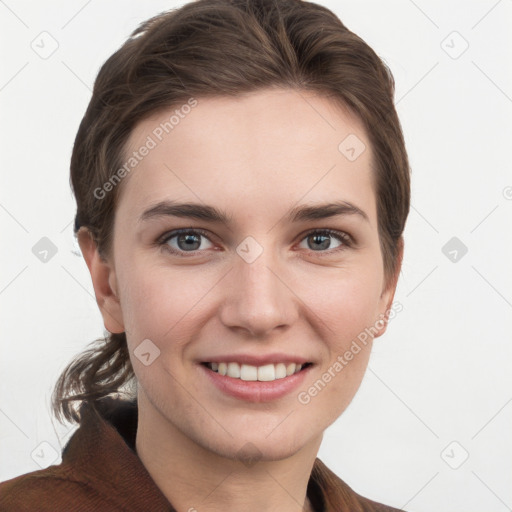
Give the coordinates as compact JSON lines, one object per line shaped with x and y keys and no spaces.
{"x":270,"y":147}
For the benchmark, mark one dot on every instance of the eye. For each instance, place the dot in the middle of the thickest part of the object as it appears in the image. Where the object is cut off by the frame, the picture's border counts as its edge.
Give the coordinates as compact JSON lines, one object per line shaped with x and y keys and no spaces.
{"x":185,"y":240}
{"x":321,"y":240}
{"x":192,"y":241}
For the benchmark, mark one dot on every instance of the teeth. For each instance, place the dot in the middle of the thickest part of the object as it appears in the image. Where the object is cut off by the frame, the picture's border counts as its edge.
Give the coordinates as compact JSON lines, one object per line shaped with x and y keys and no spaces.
{"x":233,"y":371}
{"x":267,"y":373}
{"x":290,"y":369}
{"x":280,"y":371}
{"x":246,"y":372}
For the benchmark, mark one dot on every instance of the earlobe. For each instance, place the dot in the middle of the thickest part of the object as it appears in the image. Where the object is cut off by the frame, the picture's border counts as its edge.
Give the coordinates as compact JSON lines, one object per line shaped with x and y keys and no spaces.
{"x":104,"y":282}
{"x":388,"y":294}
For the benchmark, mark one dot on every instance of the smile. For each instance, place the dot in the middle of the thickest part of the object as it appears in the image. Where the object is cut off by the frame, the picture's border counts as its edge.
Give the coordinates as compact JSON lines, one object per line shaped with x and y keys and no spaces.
{"x":255,"y":383}
{"x":247,"y":372}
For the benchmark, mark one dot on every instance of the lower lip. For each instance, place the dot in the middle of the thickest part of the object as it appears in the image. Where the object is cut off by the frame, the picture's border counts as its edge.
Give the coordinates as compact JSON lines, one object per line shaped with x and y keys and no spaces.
{"x":256,"y":391}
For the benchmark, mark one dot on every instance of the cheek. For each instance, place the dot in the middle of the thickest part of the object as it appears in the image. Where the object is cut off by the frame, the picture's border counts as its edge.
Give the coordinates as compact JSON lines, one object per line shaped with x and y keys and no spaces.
{"x":346,"y":306}
{"x":347,"y":309}
{"x":159,"y":302}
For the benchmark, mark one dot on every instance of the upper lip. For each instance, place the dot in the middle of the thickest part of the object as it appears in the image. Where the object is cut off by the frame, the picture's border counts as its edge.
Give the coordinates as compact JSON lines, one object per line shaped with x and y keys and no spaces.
{"x":257,"y":360}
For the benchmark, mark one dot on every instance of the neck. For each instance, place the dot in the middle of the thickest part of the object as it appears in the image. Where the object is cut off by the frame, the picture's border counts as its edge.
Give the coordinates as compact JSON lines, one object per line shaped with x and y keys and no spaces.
{"x":195,"y":478}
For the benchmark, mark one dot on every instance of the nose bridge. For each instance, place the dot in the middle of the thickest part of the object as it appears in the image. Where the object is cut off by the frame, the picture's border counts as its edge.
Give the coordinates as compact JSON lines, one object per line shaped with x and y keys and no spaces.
{"x":259,"y":300}
{"x":257,"y":280}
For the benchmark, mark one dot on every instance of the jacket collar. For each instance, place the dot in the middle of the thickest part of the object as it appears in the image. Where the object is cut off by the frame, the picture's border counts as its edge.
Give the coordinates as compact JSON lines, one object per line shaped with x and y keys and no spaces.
{"x":101,"y":453}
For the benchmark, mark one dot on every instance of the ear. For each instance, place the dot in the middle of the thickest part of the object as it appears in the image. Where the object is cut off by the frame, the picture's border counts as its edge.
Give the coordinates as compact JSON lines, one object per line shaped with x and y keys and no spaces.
{"x":388,"y":293}
{"x":104,"y":282}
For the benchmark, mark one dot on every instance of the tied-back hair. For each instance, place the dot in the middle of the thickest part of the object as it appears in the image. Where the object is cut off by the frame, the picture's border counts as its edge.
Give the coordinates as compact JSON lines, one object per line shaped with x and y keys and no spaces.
{"x":213,"y":48}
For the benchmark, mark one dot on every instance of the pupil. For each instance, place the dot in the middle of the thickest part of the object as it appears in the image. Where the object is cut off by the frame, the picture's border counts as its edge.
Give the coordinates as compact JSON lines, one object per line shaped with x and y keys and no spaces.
{"x":323,"y":245}
{"x":189,"y":240}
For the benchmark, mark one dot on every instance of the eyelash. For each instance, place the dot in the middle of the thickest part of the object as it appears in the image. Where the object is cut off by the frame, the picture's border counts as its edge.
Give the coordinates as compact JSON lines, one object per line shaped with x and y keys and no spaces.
{"x":344,"y":238}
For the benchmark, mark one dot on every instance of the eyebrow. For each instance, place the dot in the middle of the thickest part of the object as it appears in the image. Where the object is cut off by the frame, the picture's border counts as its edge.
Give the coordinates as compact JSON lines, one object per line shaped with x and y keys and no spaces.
{"x":211,"y":214}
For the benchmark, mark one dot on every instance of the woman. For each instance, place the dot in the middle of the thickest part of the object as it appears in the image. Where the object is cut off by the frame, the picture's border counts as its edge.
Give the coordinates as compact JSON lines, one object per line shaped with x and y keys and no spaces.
{"x":242,"y":187}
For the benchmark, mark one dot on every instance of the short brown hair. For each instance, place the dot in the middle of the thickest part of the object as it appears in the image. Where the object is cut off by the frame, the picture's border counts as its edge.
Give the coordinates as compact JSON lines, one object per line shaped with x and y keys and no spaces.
{"x":220,"y":48}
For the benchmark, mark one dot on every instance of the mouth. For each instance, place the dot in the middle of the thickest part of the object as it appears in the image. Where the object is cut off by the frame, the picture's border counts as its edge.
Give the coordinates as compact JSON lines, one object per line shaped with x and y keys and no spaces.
{"x":265,"y":373}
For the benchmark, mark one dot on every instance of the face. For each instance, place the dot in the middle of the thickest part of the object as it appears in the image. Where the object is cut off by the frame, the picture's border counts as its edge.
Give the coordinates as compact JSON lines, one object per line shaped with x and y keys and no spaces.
{"x":276,"y":275}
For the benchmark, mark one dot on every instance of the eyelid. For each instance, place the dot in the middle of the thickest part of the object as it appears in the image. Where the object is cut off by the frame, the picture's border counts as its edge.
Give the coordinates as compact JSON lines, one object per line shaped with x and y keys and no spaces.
{"x":342,"y":235}
{"x":163,"y":239}
{"x":346,"y":240}
{"x":171,"y":234}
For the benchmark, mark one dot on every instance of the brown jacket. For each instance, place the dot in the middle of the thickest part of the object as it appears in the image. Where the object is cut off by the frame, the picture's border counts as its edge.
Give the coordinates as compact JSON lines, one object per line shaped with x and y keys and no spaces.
{"x":100,"y":471}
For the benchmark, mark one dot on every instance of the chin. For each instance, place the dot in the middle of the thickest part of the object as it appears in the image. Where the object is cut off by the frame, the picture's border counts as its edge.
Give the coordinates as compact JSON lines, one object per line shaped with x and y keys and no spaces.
{"x":251,"y":452}
{"x":258,"y":445}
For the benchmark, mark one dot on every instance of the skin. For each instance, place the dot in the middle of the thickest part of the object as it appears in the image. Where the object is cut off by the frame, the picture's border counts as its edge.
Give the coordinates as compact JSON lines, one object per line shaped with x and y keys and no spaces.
{"x":255,"y":157}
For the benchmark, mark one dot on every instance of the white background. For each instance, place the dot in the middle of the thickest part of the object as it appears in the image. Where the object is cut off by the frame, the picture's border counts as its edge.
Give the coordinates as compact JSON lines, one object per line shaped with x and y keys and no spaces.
{"x":440,"y":374}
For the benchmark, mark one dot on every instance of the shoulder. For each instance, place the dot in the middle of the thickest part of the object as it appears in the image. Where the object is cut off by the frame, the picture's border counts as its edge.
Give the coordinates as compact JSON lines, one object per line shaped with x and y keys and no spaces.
{"x":372,"y":506}
{"x":337,"y":494}
{"x":47,"y":490}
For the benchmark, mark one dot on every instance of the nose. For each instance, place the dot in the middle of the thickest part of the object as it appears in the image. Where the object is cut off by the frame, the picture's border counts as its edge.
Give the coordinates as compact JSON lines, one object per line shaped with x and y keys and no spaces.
{"x":258,"y":299}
